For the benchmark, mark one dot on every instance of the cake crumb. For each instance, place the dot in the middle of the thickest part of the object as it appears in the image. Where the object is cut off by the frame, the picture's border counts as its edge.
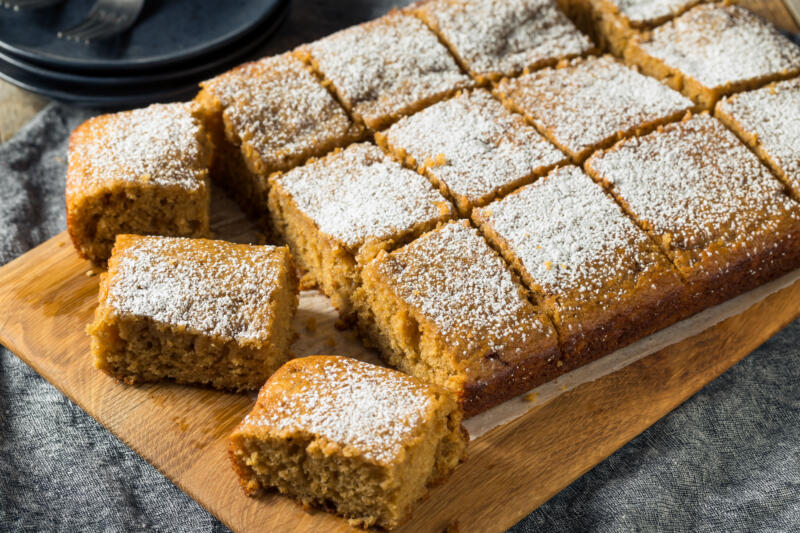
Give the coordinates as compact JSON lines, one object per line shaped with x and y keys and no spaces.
{"x":531,"y":397}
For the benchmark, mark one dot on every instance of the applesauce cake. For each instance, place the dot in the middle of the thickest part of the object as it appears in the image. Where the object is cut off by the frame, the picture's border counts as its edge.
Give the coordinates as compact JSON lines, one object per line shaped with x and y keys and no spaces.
{"x":194,"y":311}
{"x":725,"y":221}
{"x":471,"y":147}
{"x":600,"y":278}
{"x":612,"y":23}
{"x":491,"y":39}
{"x":768,"y":120}
{"x":713,"y":50}
{"x":587,"y":104}
{"x":363,"y":441}
{"x":446,"y":308}
{"x":386,"y":68}
{"x":340,"y":210}
{"x":141,"y":171}
{"x":269,"y":115}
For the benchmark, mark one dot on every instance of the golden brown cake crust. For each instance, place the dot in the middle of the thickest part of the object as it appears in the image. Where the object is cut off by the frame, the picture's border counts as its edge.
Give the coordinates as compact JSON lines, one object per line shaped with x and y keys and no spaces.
{"x":768,"y":120}
{"x":601,"y":279}
{"x":386,"y":68}
{"x":471,"y":147}
{"x":713,"y":50}
{"x":724,"y":237}
{"x":194,"y":310}
{"x":492,"y":39}
{"x":319,"y":415}
{"x":587,"y":104}
{"x":447,"y":309}
{"x":142,"y":171}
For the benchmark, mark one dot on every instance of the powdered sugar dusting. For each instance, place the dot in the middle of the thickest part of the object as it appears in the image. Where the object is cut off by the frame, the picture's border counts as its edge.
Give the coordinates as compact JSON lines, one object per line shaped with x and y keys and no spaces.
{"x":696,"y":183}
{"x":495,"y":38}
{"x":590,"y":101}
{"x":773,"y":114}
{"x":367,"y":408}
{"x":159,"y":144}
{"x":455,"y":280}
{"x":647,"y":11}
{"x":387,"y":66}
{"x":482,"y":147}
{"x":210,"y":287}
{"x":718,"y":45}
{"x":572,"y":239}
{"x":277,"y":108}
{"x":360,"y":194}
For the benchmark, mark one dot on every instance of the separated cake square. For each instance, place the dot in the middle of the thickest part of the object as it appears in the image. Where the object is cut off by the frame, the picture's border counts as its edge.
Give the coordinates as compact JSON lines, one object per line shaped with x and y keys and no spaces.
{"x":471,"y":147}
{"x":386,"y":68}
{"x":339,"y":210}
{"x":363,"y":441}
{"x":587,"y":104}
{"x":768,"y":120}
{"x":194,"y":311}
{"x":142,"y":171}
{"x":600,"y":278}
{"x":445,"y":308}
{"x":269,"y":115}
{"x":713,"y":50}
{"x":492,"y":38}
{"x":725,"y":221}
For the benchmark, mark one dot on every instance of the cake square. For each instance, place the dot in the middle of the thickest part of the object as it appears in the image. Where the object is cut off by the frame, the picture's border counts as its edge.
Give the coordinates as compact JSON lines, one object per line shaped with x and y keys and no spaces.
{"x":612,"y":23}
{"x":713,"y":50}
{"x":493,"y":38}
{"x":725,"y":221}
{"x":142,"y":171}
{"x":386,"y":68}
{"x":358,"y":439}
{"x":471,"y":147}
{"x":194,"y":311}
{"x":768,"y":120}
{"x":447,"y":309}
{"x":338,"y":211}
{"x":587,"y":104}
{"x":599,"y":277}
{"x":269,"y":115}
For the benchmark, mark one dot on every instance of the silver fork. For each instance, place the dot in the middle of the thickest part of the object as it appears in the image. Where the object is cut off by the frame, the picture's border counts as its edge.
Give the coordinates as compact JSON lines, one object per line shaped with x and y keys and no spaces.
{"x":19,"y":5}
{"x":106,"y":18}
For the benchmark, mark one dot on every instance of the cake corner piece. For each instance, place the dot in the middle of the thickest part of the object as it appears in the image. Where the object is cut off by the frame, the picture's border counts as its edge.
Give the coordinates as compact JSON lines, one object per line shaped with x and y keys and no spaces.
{"x":387,"y":438}
{"x":194,"y":311}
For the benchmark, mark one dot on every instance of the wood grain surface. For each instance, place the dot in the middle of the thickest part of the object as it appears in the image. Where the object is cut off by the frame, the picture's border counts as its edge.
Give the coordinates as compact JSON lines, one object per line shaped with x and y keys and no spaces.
{"x":48,"y":296}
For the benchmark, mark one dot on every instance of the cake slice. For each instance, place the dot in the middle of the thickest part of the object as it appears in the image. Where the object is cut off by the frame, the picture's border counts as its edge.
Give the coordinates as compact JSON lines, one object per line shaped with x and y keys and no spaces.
{"x":445,"y":308}
{"x":587,"y":104}
{"x":386,"y":68}
{"x":471,"y":147}
{"x":357,"y":439}
{"x":143,"y":171}
{"x":492,"y":38}
{"x":768,"y":120}
{"x":340,"y":210}
{"x":600,"y":278}
{"x":194,"y":311}
{"x":612,"y":23}
{"x":265,"y":116}
{"x":725,"y":221}
{"x":713,"y":50}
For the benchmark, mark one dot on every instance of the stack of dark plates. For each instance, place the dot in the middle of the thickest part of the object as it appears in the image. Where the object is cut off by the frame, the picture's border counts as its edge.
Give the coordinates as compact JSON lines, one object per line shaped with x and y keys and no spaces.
{"x":174,"y":45}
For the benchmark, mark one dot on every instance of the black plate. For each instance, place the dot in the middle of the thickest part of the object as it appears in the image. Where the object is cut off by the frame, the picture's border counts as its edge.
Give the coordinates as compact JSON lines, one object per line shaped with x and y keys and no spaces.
{"x":137,"y":91}
{"x":168,"y":32}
